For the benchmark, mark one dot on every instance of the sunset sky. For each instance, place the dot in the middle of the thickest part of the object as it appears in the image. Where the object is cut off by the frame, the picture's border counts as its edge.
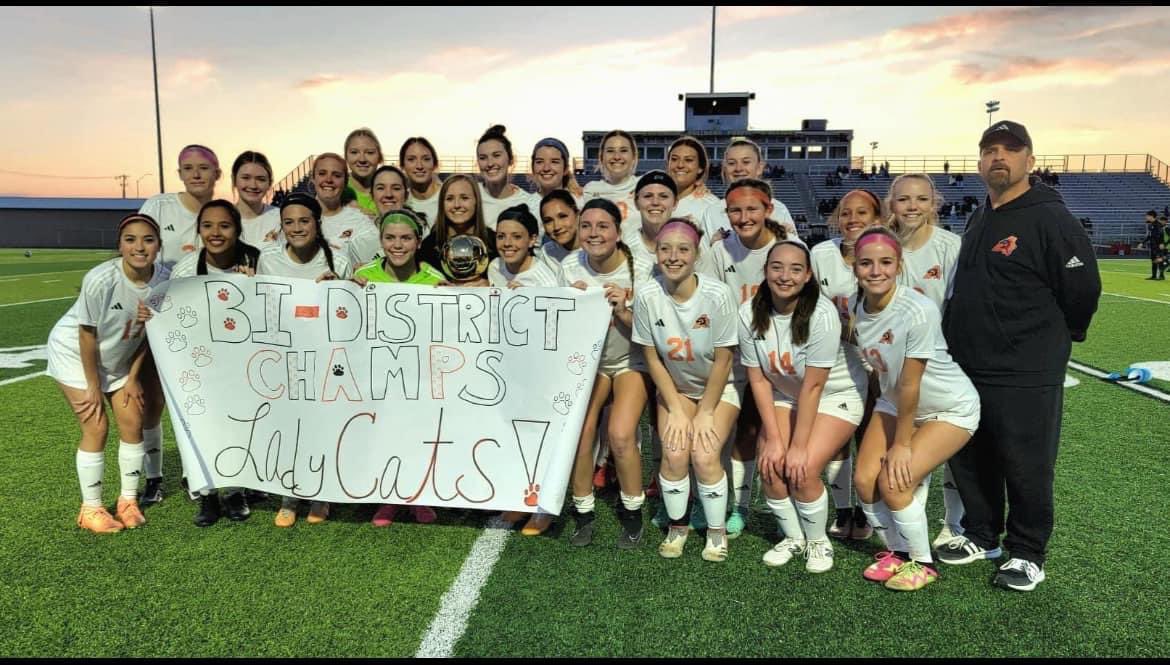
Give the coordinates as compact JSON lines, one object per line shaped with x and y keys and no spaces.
{"x":75,"y":88}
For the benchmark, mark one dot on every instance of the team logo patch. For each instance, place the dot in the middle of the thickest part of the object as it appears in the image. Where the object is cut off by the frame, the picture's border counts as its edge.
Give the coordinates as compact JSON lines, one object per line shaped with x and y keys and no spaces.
{"x":702,"y":322}
{"x":887,"y":337}
{"x":1005,"y":246}
{"x":934,"y":273}
{"x":347,"y":233}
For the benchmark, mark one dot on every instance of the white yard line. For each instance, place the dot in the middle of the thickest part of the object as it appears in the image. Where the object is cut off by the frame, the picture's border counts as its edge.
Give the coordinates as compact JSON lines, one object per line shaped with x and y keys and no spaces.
{"x":1136,"y":387}
{"x":457,"y":603}
{"x":42,"y":274}
{"x":50,"y":281}
{"x":32,"y":302}
{"x":1121,"y":295}
{"x":22,"y":378}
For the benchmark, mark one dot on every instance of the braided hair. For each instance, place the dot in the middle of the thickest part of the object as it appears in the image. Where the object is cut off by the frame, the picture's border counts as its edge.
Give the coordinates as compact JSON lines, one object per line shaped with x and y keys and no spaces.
{"x":611,"y":209}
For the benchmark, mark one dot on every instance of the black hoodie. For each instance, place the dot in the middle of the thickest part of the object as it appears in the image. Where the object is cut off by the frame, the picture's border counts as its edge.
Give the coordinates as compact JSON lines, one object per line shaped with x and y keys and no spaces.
{"x":1025,"y":287}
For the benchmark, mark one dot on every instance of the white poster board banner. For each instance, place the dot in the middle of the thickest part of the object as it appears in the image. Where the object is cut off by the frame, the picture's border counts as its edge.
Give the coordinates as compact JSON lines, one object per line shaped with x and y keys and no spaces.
{"x":460,"y":397}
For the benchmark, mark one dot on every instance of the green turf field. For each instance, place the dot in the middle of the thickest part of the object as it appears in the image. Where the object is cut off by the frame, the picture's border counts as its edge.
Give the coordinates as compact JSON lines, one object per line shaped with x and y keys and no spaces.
{"x":345,"y":588}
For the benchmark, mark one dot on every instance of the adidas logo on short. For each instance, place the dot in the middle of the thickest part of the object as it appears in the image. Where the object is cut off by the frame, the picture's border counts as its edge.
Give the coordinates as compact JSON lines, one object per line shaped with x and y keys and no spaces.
{"x":843,"y":406}
{"x":1074,"y":262}
{"x":660,"y":323}
{"x":117,"y":305}
{"x":169,"y":227}
{"x":730,"y":269}
{"x":825,"y":282}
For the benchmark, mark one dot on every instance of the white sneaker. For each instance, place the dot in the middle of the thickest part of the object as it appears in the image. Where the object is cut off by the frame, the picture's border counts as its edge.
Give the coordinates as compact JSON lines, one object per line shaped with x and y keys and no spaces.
{"x":1018,"y":575}
{"x":716,"y":547}
{"x":783,"y":552}
{"x":672,"y":547}
{"x":818,"y":556}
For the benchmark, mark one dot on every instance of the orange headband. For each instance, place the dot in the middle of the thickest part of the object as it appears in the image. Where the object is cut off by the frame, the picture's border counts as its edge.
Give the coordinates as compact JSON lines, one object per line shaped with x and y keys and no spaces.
{"x":763,"y":198}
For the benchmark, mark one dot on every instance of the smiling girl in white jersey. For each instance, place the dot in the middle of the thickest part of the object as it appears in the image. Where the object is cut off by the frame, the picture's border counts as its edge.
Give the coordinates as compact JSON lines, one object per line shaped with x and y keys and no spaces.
{"x":493,"y":156}
{"x":252,"y":180}
{"x":739,"y":261}
{"x":418,"y":159}
{"x":687,"y":164}
{"x":349,"y":231}
{"x":928,"y":409}
{"x":97,"y":349}
{"x":617,"y":160}
{"x":833,"y":266}
{"x":744,"y":159}
{"x":604,"y":261}
{"x":363,"y":156}
{"x":559,"y":213}
{"x":518,"y":265}
{"x":686,"y":324}
{"x":175,"y":212}
{"x":811,"y":394}
{"x":552,"y":169}
{"x":930,"y":255}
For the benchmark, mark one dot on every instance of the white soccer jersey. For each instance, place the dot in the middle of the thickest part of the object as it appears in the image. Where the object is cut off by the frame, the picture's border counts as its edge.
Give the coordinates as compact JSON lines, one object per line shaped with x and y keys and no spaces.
{"x":263,"y":229}
{"x":553,"y":253}
{"x":429,"y":207}
{"x":695,"y":207}
{"x":739,"y":267}
{"x":351,"y":234}
{"x":716,"y":220}
{"x":538,"y":274}
{"x":492,"y":207}
{"x":783,"y":362}
{"x":188,"y":266}
{"x":622,"y":194}
{"x":686,"y":334}
{"x":109,"y":302}
{"x":618,"y":351}
{"x":930,"y":269}
{"x":274,"y":260}
{"x":911,"y":327}
{"x":835,"y":277}
{"x":176,"y":226}
{"x":646,"y":263}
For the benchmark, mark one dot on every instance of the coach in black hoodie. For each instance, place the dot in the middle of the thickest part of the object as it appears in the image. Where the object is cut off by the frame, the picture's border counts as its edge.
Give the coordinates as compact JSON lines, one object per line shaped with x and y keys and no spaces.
{"x":1025,"y":288}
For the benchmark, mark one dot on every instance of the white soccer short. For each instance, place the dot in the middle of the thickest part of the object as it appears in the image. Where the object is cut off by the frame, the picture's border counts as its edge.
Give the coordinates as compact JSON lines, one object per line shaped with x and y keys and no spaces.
{"x":964,"y":416}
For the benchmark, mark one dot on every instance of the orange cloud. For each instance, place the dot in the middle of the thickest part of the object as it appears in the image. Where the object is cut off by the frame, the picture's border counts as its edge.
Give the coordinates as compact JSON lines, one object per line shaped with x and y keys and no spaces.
{"x":1070,"y":71}
{"x":318,"y":81}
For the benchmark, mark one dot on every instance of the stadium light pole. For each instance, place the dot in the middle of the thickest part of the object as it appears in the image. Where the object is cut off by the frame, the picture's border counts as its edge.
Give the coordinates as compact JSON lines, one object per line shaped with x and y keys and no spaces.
{"x":157,"y":115}
{"x":712,"y":90}
{"x":872,"y":147}
{"x":992,"y":107}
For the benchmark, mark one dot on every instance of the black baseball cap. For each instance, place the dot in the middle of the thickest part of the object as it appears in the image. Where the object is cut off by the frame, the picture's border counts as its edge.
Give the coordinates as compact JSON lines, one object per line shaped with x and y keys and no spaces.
{"x":1004,"y":128}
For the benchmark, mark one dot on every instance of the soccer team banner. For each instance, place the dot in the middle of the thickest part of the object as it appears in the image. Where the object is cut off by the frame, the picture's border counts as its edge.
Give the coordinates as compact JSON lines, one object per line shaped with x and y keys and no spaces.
{"x":458,"y":397}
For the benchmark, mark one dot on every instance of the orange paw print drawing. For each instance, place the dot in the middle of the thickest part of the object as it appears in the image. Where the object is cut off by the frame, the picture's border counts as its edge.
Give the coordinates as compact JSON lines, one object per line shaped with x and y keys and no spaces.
{"x":342,"y":313}
{"x":531,"y":495}
{"x":229,"y":323}
{"x":222,"y":295}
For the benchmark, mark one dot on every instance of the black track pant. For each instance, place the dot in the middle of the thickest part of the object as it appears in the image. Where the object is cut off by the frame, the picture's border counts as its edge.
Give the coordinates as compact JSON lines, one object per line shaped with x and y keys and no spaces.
{"x":1013,"y":449}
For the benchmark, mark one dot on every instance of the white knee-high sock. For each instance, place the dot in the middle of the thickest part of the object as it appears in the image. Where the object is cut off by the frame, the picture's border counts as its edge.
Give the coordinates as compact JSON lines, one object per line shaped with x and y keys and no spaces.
{"x":675,"y":495}
{"x":152,"y":438}
{"x":910,"y":522}
{"x":839,"y":478}
{"x":631,"y":502}
{"x":130,"y":467}
{"x":743,"y":475}
{"x":786,"y":517}
{"x":952,"y":501}
{"x":882,"y":521}
{"x":814,"y":515}
{"x":90,"y":469}
{"x":922,"y":492}
{"x":713,"y":498}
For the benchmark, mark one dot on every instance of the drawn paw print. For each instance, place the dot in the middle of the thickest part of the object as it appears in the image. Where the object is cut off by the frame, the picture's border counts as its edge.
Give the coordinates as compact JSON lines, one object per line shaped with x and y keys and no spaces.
{"x":338,"y":370}
{"x":561,"y":403}
{"x":161,"y":303}
{"x":531,"y":494}
{"x":195,"y":406}
{"x":187,"y":317}
{"x":176,"y":341}
{"x":579,"y":387}
{"x":576,"y":363}
{"x":201,"y":355}
{"x":189,"y":380}
{"x":342,"y":313}
{"x":229,"y":323}
{"x":596,"y":350}
{"x":222,"y":294}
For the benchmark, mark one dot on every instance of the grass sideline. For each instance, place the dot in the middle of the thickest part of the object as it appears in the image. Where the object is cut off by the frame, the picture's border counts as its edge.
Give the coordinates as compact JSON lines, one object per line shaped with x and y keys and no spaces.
{"x":346,"y":588}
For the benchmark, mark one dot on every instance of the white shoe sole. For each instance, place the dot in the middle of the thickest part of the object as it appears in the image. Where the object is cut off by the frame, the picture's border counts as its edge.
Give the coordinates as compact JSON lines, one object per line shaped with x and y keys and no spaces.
{"x":1024,"y":587}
